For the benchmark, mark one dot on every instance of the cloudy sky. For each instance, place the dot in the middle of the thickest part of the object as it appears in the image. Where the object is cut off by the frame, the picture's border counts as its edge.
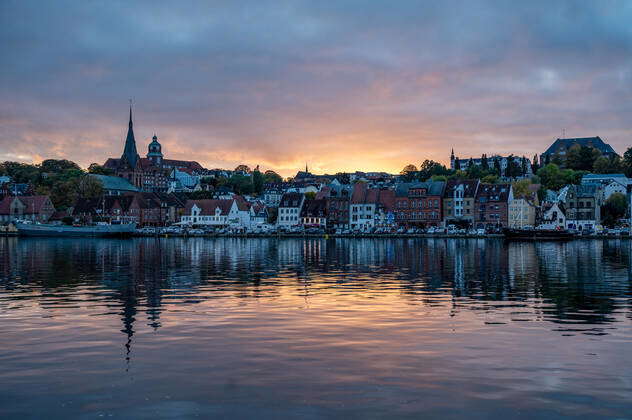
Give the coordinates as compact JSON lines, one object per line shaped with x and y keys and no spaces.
{"x":339,"y":84}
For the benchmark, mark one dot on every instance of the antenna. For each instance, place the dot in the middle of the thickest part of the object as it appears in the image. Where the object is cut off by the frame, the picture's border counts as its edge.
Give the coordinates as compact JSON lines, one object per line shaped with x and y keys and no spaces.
{"x":563,"y":133}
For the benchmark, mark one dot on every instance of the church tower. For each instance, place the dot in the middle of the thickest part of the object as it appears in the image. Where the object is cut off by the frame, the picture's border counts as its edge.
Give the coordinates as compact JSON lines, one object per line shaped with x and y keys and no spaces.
{"x":130,"y":155}
{"x":155,"y":151}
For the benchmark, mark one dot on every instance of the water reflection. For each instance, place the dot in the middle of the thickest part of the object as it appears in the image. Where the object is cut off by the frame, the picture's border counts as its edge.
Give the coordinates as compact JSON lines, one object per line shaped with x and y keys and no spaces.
{"x":343,"y":307}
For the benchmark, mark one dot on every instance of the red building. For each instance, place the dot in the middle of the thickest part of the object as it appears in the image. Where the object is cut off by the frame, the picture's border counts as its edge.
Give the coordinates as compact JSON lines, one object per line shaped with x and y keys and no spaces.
{"x":419,"y":203}
{"x":492,"y":205}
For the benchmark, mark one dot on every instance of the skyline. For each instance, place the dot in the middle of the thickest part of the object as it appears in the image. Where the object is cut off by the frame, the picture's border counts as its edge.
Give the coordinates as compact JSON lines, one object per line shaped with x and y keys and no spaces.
{"x":342,"y":86}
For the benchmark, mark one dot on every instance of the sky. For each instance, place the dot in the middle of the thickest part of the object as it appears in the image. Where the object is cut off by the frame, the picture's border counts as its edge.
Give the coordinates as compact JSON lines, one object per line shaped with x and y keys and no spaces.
{"x":338,"y":85}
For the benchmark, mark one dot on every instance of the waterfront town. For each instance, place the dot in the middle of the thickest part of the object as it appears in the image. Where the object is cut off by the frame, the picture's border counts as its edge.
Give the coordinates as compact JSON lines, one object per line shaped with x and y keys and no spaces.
{"x":580,"y":185}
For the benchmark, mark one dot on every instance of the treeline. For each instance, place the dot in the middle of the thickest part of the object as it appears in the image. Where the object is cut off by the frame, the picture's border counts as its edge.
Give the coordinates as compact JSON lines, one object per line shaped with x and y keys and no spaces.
{"x":63,"y":180}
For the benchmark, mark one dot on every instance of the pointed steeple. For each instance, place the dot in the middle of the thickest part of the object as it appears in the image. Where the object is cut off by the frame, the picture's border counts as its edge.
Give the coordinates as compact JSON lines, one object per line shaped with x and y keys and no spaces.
{"x":130,"y":154}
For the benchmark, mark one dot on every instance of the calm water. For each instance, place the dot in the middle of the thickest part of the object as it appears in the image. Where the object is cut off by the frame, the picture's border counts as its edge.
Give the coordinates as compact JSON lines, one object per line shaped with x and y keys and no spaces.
{"x":261,"y":328}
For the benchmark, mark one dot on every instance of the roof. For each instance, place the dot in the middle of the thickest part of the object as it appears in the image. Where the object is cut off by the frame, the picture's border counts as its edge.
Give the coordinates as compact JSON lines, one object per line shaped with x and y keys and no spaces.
{"x":34,"y":204}
{"x":432,"y":188}
{"x":470,"y":186}
{"x":362,"y":194}
{"x":494,"y":192}
{"x":565,"y":144}
{"x":114,"y":183}
{"x":208,"y":207}
{"x":585,"y":190}
{"x":292,"y":199}
{"x":314,"y":208}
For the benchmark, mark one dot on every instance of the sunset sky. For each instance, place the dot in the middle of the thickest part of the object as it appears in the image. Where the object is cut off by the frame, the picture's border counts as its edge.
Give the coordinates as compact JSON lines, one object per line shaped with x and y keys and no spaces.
{"x":340,"y":85}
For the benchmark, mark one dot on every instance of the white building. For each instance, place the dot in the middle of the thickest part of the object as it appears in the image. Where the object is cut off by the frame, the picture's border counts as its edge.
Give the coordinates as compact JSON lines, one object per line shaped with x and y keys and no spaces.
{"x":290,"y":209}
{"x":183,"y":181}
{"x":553,"y":217}
{"x":217,"y":213}
{"x":610,"y":183}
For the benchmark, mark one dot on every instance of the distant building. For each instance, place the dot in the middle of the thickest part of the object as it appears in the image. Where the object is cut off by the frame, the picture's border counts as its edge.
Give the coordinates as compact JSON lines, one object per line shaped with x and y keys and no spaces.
{"x":492,"y":205}
{"x":314,"y":213}
{"x":523,"y":209}
{"x":151,"y":173}
{"x":583,"y":206}
{"x":371,"y":207}
{"x":290,"y":209}
{"x":114,"y":185}
{"x":553,"y":216}
{"x":36,"y":208}
{"x":457,"y":163}
{"x":561,"y":146}
{"x":609,"y":183}
{"x":458,"y":202}
{"x":419,"y":203}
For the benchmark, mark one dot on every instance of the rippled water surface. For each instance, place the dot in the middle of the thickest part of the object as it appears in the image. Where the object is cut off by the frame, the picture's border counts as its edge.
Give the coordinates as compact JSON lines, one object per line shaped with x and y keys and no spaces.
{"x":346,"y":328}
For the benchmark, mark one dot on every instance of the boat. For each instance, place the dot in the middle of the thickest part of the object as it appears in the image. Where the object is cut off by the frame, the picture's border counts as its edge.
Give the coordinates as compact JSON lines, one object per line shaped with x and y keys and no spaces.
{"x":104,"y":230}
{"x":537,"y":234}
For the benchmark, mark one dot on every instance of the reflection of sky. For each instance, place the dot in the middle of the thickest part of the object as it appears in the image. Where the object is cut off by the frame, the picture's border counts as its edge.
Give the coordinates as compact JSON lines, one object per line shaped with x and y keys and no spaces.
{"x":342,"y":86}
{"x":363,"y":328}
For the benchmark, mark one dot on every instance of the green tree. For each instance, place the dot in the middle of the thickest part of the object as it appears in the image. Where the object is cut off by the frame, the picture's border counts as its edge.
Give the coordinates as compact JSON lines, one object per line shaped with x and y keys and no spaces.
{"x":89,"y":187}
{"x":271,"y":177}
{"x":257,"y":181}
{"x":614,"y":209}
{"x":484,"y":162}
{"x":57,"y":165}
{"x":490,"y":179}
{"x":429,"y":168}
{"x":408,"y":169}
{"x":97,"y":169}
{"x":627,"y":162}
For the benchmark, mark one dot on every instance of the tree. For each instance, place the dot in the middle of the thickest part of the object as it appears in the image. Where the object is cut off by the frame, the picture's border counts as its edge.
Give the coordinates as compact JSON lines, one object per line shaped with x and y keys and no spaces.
{"x":243,"y":168}
{"x":457,"y":164}
{"x":310,"y":195}
{"x":521,"y":188}
{"x":497,"y":165}
{"x":408,"y":169}
{"x":550,"y":176}
{"x":523,"y":166}
{"x":430,"y":168}
{"x":58,"y":165}
{"x":489,"y":179}
{"x":627,"y":162}
{"x":257,"y":181}
{"x":201,"y":195}
{"x":614,"y":209}
{"x":581,"y":158}
{"x":271,"y":177}
{"x":89,"y":187}
{"x":97,"y":169}
{"x":534,"y":164}
{"x":484,"y":162}
{"x":602,"y":165}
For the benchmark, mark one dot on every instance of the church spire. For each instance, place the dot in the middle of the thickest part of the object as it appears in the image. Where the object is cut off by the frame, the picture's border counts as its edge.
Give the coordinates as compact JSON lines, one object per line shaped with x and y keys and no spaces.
{"x":130,"y":155}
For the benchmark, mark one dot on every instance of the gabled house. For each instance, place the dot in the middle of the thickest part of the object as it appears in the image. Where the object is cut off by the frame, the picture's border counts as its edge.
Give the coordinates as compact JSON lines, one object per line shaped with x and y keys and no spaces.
{"x":419,"y":203}
{"x":36,"y":208}
{"x":458,"y":202}
{"x":523,"y":208}
{"x":371,"y":207}
{"x":290,"y":209}
{"x":314,"y":213}
{"x":215,"y":213}
{"x":583,"y":206}
{"x":492,"y":205}
{"x":553,"y":216}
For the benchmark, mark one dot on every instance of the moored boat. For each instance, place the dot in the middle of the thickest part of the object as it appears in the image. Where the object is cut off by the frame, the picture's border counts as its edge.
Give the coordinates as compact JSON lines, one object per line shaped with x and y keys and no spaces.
{"x":105,"y":230}
{"x":537,"y":234}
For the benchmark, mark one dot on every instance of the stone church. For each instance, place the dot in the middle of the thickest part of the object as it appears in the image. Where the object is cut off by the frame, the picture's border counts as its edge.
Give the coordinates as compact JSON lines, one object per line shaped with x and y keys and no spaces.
{"x":150,"y":173}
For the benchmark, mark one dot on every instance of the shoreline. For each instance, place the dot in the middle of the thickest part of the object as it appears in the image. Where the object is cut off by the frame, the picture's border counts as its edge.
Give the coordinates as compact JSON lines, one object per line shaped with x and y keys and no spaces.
{"x":359,"y":236}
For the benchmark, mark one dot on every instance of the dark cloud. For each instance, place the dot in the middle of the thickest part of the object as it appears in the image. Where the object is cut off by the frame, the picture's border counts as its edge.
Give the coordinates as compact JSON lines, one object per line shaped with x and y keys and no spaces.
{"x":338,"y":84}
